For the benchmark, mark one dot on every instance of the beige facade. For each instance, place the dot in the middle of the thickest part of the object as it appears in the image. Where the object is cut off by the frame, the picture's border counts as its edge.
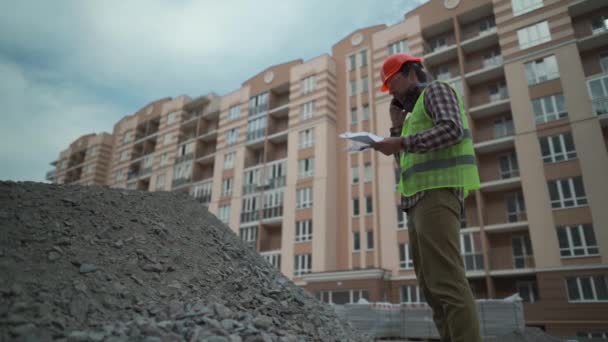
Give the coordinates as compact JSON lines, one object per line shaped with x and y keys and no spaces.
{"x":266,"y":158}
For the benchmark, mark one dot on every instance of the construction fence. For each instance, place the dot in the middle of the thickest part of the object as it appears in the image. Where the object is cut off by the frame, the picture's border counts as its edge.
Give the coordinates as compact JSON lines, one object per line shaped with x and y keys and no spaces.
{"x":497,"y":317}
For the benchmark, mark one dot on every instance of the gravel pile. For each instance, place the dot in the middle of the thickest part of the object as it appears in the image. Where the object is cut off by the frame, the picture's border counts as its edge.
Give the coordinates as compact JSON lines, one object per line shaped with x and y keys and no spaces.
{"x":99,"y":264}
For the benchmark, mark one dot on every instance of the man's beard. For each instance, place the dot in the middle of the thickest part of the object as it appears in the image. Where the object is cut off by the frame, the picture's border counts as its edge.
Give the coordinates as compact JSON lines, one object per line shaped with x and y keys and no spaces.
{"x":409,"y":98}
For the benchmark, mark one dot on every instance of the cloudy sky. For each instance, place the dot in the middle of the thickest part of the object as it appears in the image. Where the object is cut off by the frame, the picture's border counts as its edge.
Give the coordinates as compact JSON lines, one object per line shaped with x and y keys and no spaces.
{"x":72,"y":67}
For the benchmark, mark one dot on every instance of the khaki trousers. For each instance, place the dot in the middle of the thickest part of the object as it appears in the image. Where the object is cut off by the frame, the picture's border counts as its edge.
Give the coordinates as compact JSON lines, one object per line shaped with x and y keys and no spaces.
{"x":434,"y":232}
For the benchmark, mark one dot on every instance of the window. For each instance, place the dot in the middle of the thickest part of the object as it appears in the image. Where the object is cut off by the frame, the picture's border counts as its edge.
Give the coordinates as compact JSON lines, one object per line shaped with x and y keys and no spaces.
{"x":353,"y":115}
{"x":487,"y":25}
{"x":516,"y":208}
{"x":364,"y":85}
{"x":249,"y":234}
{"x":124,"y":156}
{"x":355,"y":207}
{"x":232,"y":136}
{"x":303,"y":230}
{"x":308,"y":85}
{"x":249,"y":210}
{"x":508,"y":166}
{"x":223,"y":213}
{"x":367,"y":172}
{"x":304,"y":198}
{"x":229,"y":160}
{"x":442,"y":73}
{"x":168,"y":138}
{"x":406,"y":262}
{"x":493,"y":58}
{"x":587,"y":288}
{"x":258,"y":104}
{"x":438,"y":44}
{"x":164,"y":159}
{"x":119,"y":175}
{"x":470,"y":245}
{"x":401,"y":224}
{"x":227,"y":187}
{"x":128,"y":137}
{"x":363,"y":59}
{"x":567,"y":192}
{"x":342,"y":297}
{"x":528,"y":291}
{"x":577,"y":240}
{"x":353,"y":87}
{"x":549,"y":108}
{"x":498,"y":91}
{"x":172,"y":118}
{"x":234,"y":112}
{"x":368,"y":205}
{"x":542,"y":70}
{"x":352,"y":62}
{"x":557,"y":148}
{"x":256,"y":128}
{"x":503,"y":127}
{"x":599,"y":24}
{"x":302,"y":264}
{"x":522,"y":251}
{"x":533,"y":35}
{"x":524,"y":6}
{"x":160,"y":182}
{"x":398,"y":47}
{"x":354,"y":171}
{"x":308,"y":110}
{"x":365,"y":112}
{"x":356,"y":241}
{"x":411,"y":294}
{"x":306,"y":167}
{"x":370,"y":239}
{"x":604,"y":62}
{"x":306,"y":138}
{"x":457,"y":84}
{"x":598,"y":90}
{"x":182,"y":171}
{"x":92,"y":152}
{"x":273,"y":204}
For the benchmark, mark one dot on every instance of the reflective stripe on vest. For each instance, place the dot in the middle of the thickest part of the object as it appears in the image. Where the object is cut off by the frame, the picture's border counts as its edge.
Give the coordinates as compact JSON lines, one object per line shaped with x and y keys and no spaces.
{"x":438,"y":164}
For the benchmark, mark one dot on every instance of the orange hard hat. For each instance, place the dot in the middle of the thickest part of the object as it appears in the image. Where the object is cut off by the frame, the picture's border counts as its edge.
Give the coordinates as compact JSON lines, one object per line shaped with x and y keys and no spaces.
{"x":393,"y":64}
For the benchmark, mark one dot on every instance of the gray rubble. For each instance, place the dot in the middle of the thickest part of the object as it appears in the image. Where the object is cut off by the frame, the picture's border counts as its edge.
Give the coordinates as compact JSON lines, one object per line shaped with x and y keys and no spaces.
{"x":99,"y":264}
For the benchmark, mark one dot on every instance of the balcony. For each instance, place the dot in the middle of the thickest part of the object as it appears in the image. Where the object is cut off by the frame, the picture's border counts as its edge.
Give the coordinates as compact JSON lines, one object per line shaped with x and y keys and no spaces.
{"x":251,"y":216}
{"x":272,"y":212}
{"x":501,"y":184}
{"x":273,"y":258}
{"x":485,"y":39}
{"x":515,"y":226}
{"x":273,"y":183}
{"x":502,"y":139}
{"x":254,"y":136}
{"x":491,"y":68}
{"x":498,"y":103}
{"x":184,"y":158}
{"x":441,"y":54}
{"x":180,"y":182}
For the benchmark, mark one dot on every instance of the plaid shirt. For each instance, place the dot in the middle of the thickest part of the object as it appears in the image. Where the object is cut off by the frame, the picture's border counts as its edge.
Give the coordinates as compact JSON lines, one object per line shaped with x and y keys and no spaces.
{"x":441,"y":103}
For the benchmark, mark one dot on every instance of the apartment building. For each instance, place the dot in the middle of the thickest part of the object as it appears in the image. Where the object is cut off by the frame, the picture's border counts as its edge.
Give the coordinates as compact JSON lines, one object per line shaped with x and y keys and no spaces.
{"x":266,"y":159}
{"x":85,"y":162}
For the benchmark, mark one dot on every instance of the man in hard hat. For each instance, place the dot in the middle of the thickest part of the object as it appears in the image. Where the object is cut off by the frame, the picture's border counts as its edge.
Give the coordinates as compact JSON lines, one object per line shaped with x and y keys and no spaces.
{"x":438,"y":170}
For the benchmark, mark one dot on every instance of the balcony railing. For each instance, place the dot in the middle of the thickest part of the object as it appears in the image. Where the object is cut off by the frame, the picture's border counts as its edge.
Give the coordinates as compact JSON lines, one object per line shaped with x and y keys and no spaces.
{"x":180,"y":181}
{"x":249,"y":188}
{"x":250,"y":216}
{"x":492,"y":62}
{"x":273,"y":258}
{"x":275,"y":183}
{"x":526,"y":261}
{"x":600,"y":105}
{"x":203,"y":198}
{"x":146,"y":171}
{"x":184,"y":158}
{"x":501,"y":95}
{"x":258,"y":110}
{"x":255,"y":135}
{"x":273,"y":212}
{"x":517,"y":216}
